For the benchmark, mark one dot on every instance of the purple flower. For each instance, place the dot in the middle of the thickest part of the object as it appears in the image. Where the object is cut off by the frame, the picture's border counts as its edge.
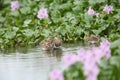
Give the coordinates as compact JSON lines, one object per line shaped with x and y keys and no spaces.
{"x":70,"y":59}
{"x":15,"y":5}
{"x":42,"y":13}
{"x":90,"y":58}
{"x":91,"y":69}
{"x":96,"y":14}
{"x":81,"y":55}
{"x":56,"y":75}
{"x":108,"y":9}
{"x":107,"y":53}
{"x":104,"y":44}
{"x":105,"y":48}
{"x":97,"y":54}
{"x":91,"y":78}
{"x":91,"y":11}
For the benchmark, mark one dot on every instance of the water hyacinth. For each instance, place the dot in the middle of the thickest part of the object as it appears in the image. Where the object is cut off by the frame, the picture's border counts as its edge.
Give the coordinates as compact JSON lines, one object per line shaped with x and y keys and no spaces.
{"x":56,"y":75}
{"x":42,"y":13}
{"x":108,"y":9}
{"x":92,"y":12}
{"x":90,"y":58}
{"x":91,"y":78}
{"x":105,"y":48}
{"x":91,"y":72}
{"x":96,"y":14}
{"x":97,"y":54}
{"x":81,"y":55}
{"x":69,"y":59}
{"x":15,"y":5}
{"x":90,"y":67}
{"x":105,"y":44}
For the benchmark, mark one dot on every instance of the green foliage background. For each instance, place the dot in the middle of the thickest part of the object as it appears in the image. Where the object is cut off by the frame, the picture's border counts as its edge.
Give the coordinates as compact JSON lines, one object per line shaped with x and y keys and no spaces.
{"x":67,"y":18}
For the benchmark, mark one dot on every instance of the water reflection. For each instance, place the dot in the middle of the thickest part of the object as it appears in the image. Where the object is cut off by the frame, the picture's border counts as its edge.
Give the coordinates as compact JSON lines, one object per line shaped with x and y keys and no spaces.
{"x":32,"y":63}
{"x":55,"y":53}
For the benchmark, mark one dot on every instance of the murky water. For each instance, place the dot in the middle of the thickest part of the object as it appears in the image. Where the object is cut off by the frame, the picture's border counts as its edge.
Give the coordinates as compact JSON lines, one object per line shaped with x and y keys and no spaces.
{"x":32,"y":64}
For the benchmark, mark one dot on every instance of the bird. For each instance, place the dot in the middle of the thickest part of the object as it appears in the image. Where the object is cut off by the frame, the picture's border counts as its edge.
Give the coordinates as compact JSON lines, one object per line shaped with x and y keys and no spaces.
{"x":50,"y":44}
{"x":47,"y":44}
{"x":92,"y":40}
{"x":57,"y":42}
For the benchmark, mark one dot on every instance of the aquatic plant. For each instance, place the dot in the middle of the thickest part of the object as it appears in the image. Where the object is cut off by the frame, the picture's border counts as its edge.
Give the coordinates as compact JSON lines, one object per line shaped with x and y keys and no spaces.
{"x":32,"y":21}
{"x":56,"y":75}
{"x":108,"y":9}
{"x":87,"y":64}
{"x":15,"y":5}
{"x":92,"y":12}
{"x":42,"y":13}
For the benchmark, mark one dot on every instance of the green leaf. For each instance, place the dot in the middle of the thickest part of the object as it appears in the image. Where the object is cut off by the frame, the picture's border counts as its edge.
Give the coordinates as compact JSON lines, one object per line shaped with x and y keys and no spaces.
{"x":74,"y":72}
{"x":118,"y":51}
{"x":1,"y":31}
{"x":15,"y":29}
{"x":25,"y":10}
{"x":118,"y":10}
{"x":88,"y":18}
{"x":115,"y":44}
{"x":96,"y":1}
{"x":2,"y":19}
{"x":7,"y":1}
{"x":46,"y":33}
{"x":56,"y":14}
{"x":26,"y":22}
{"x":1,"y":40}
{"x":78,"y":2}
{"x":115,"y":60}
{"x":66,"y":6}
{"x":104,"y":64}
{"x":28,"y":32}
{"x":9,"y":35}
{"x":15,"y":13}
{"x":74,"y":21}
{"x":99,"y":30}
{"x":79,"y":31}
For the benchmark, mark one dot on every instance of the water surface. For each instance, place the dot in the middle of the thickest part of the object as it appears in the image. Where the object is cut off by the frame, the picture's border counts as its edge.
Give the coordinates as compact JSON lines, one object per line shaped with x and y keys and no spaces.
{"x":32,"y":63}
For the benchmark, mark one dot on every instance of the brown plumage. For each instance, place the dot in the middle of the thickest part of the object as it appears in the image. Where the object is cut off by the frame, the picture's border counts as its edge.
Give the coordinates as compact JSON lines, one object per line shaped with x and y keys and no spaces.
{"x":93,"y":40}
{"x":57,"y":42}
{"x":47,"y":44}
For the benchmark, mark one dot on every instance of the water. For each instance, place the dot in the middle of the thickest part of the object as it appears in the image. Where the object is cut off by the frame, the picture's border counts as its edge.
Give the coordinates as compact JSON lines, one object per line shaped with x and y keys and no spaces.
{"x":32,"y":63}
